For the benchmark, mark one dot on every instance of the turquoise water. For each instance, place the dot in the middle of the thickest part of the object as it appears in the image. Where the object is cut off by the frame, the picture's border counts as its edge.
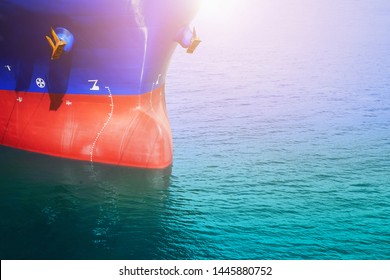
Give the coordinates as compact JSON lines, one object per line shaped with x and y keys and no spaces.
{"x":281,"y":130}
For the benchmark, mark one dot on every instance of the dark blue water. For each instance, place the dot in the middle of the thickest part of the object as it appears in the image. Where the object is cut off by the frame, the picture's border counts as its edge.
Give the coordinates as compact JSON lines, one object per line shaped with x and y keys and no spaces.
{"x":281,"y":125}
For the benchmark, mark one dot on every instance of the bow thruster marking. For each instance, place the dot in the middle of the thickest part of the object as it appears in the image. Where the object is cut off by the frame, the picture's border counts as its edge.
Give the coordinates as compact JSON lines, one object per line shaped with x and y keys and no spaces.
{"x":40,"y":82}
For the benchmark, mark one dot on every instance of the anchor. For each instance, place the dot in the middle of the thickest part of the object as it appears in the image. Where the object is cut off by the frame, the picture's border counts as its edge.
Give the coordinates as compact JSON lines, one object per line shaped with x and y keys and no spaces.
{"x":195,"y":40}
{"x":57,"y":46}
{"x":188,"y":39}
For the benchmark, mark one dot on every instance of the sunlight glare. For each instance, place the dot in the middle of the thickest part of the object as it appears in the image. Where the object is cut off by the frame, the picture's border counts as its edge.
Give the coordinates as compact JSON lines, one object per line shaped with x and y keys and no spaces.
{"x":220,"y":16}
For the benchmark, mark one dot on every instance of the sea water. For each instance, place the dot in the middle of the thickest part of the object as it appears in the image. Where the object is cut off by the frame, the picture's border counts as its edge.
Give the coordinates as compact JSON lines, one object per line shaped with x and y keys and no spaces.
{"x":281,"y":131}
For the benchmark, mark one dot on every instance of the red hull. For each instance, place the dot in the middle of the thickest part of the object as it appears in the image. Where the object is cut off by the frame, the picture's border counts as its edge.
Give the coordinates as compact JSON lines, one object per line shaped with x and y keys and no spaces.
{"x":130,"y":130}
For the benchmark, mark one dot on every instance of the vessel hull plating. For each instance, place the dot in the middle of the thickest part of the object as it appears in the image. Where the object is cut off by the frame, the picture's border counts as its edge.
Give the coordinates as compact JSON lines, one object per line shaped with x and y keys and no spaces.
{"x":103,"y":98}
{"x":129,"y":130}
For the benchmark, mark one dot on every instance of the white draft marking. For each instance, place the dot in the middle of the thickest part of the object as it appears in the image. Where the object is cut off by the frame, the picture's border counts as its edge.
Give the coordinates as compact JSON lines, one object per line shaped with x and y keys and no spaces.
{"x":40,"y":82}
{"x":104,"y":125}
{"x":68,"y":102}
{"x":95,"y":86}
{"x":19,"y":99}
{"x":8,"y":67}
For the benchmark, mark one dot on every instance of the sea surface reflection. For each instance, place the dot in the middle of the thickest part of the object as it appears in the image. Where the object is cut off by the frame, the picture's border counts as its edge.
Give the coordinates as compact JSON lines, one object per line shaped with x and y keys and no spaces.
{"x":54,"y":208}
